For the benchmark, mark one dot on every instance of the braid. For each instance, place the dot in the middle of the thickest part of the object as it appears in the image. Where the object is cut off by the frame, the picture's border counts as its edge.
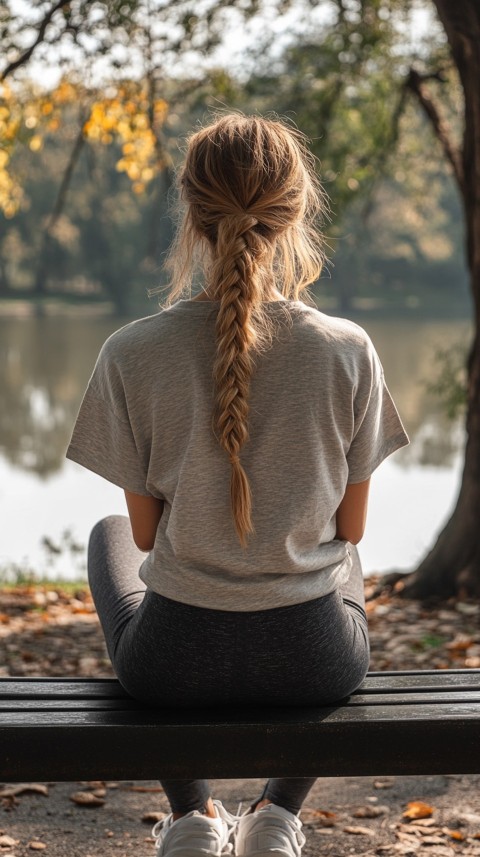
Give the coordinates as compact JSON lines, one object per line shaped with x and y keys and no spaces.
{"x":252,"y":202}
{"x":233,"y":275}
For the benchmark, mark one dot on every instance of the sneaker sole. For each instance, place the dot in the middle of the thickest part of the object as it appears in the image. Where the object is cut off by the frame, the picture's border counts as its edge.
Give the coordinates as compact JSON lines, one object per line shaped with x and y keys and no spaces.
{"x":270,"y":853}
{"x":197,"y":852}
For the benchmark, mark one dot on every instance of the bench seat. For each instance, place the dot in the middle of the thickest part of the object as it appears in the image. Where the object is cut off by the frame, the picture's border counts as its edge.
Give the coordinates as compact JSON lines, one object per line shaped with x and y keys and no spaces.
{"x":425,"y":722}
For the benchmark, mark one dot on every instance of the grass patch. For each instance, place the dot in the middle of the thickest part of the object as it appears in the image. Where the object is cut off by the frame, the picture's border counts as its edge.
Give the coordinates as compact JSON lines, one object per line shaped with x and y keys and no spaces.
{"x":15,"y":575}
{"x":429,"y":641}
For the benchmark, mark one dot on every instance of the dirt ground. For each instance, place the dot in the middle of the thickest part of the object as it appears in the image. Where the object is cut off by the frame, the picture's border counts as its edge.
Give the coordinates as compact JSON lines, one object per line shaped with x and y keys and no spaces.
{"x":52,"y":631}
{"x":360,"y":816}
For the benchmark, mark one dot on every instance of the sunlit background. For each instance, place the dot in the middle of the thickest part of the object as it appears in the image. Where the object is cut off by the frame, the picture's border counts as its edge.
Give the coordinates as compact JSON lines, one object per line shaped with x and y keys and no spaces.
{"x":93,"y":126}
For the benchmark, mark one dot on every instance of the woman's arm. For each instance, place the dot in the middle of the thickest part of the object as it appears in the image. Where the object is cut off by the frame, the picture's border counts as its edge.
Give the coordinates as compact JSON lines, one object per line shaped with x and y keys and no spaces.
{"x":352,"y":512}
{"x":144,"y":513}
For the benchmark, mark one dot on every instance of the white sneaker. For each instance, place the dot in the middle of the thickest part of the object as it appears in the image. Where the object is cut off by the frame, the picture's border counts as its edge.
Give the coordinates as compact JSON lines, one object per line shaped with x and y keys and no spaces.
{"x":195,"y":834}
{"x":271,"y":830}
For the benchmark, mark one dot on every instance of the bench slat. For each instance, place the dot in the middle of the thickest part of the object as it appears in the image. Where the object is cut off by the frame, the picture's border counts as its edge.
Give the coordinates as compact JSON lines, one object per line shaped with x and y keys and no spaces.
{"x":410,"y":682}
{"x":58,"y":688}
{"x":373,"y":740}
{"x":413,"y":681}
{"x":232,"y":718}
{"x":126,"y":704}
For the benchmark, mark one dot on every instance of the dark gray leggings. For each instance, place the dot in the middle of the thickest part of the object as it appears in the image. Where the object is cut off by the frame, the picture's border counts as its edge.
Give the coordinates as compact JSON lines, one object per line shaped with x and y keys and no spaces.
{"x":174,"y":654}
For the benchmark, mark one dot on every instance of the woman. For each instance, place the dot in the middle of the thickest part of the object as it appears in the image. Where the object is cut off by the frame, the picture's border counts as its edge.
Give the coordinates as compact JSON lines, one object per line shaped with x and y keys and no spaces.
{"x":243,"y":426}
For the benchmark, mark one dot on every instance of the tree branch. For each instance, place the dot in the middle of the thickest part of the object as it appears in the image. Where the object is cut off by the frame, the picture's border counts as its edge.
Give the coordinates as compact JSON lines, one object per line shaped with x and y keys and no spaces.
{"x":58,"y":207}
{"x":67,"y":177}
{"x":385,"y":152}
{"x":24,"y":58}
{"x":416,"y":83}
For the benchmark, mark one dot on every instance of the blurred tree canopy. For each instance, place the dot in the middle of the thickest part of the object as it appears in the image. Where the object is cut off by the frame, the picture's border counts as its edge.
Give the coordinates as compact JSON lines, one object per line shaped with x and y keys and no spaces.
{"x":133,"y":79}
{"x":353,"y":75}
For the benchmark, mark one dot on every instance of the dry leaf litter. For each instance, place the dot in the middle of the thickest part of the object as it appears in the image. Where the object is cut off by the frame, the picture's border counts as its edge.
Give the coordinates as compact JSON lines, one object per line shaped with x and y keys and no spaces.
{"x":46,"y":630}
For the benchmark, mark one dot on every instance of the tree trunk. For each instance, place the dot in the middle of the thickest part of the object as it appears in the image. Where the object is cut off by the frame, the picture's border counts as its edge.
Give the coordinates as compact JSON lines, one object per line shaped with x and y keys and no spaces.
{"x":453,"y":566}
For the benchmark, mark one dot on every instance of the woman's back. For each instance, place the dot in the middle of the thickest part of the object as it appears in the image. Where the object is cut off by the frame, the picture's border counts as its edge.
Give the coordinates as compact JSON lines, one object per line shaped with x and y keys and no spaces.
{"x":244,"y":429}
{"x":320,"y":417}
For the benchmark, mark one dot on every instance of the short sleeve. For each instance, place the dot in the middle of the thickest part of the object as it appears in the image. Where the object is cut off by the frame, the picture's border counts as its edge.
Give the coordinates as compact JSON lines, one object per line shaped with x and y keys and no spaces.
{"x":103,"y":439}
{"x":378,"y":429}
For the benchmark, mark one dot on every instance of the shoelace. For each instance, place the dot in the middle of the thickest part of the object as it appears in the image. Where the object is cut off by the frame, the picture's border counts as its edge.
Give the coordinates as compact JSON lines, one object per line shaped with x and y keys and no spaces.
{"x":231,"y":821}
{"x":157,"y":827}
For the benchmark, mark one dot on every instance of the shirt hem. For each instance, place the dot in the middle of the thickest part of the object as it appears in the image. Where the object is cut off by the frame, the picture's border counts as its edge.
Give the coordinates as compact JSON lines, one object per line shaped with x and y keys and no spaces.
{"x":254,"y":602}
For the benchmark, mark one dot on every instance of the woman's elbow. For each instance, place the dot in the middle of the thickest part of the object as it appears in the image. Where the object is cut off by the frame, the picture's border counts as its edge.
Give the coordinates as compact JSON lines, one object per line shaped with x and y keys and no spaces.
{"x":351,"y":515}
{"x":144,"y":544}
{"x":145,"y":513}
{"x":354,"y":535}
{"x":355,"y":538}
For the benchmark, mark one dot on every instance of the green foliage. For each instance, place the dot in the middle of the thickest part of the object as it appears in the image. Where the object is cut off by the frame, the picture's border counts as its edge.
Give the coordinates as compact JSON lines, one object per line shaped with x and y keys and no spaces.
{"x":450,"y":385}
{"x":105,"y":37}
{"x":17,"y":574}
{"x":404,"y":242}
{"x":429,"y":641}
{"x":66,"y":552}
{"x":339,"y":75}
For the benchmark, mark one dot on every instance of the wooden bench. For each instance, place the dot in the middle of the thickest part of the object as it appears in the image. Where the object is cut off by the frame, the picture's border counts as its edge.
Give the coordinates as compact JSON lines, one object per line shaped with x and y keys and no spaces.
{"x":85,"y":729}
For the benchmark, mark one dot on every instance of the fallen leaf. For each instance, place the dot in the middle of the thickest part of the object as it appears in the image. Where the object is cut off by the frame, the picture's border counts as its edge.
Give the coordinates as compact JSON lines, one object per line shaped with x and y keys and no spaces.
{"x":418,"y":809}
{"x":370,"y":811}
{"x":36,"y":846}
{"x":318,"y":817}
{"x":86,"y":799}
{"x":460,"y":644}
{"x":406,"y":837}
{"x":469,"y":817}
{"x":359,"y":831}
{"x":421,"y":829}
{"x":476,"y":836}
{"x":407,"y":847}
{"x":324,"y":813}
{"x":454,"y":834}
{"x":433,"y":840}
{"x":467,"y":609}
{"x":8,"y":841}
{"x":383,"y":784}
{"x":153,"y":817}
{"x":23,"y":788}
{"x":442,"y":851}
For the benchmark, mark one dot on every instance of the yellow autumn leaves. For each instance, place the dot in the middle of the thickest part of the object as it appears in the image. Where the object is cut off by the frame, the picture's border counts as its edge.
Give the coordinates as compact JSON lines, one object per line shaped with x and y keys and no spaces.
{"x":127,"y":117}
{"x":128,"y":120}
{"x":11,"y":195}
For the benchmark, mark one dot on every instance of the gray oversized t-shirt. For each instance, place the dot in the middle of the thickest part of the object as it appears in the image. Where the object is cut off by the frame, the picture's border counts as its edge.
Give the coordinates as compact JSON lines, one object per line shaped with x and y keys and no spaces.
{"x":320,"y":417}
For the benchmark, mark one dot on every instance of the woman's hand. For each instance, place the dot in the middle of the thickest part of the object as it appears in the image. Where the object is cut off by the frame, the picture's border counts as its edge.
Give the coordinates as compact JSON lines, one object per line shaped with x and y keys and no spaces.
{"x":144,"y":513}
{"x":352,"y":512}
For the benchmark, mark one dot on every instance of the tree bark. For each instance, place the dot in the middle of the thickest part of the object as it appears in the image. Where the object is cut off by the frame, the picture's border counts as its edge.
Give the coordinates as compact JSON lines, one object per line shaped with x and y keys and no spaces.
{"x":453,"y":565}
{"x":416,"y":83}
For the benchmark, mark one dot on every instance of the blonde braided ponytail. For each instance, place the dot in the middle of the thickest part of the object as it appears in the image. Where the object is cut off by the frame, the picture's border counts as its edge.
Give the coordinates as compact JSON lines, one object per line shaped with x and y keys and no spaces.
{"x":252,"y":200}
{"x":234,"y":274}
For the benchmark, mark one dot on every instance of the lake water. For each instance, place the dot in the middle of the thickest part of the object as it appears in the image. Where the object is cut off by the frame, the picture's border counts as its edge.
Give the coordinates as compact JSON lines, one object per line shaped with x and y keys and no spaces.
{"x":46,"y":363}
